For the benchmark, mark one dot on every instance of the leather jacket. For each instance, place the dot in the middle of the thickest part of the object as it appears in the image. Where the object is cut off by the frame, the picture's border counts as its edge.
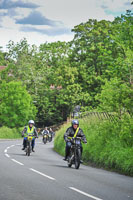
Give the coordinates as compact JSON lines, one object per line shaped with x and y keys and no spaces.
{"x":70,"y":133}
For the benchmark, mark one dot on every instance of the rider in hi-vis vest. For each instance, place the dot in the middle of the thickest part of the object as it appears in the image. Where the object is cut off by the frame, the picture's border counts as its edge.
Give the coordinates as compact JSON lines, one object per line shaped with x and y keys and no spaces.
{"x":30,"y":129}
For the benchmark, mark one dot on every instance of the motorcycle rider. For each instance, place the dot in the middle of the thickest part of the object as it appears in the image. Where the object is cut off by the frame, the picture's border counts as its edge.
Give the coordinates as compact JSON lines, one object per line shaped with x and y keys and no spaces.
{"x":45,"y":131}
{"x":30,"y":129}
{"x":51,"y":133}
{"x":70,"y":132}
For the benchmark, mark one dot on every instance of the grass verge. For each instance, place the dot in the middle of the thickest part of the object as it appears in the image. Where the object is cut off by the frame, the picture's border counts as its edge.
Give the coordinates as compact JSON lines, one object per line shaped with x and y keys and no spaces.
{"x":8,"y":133}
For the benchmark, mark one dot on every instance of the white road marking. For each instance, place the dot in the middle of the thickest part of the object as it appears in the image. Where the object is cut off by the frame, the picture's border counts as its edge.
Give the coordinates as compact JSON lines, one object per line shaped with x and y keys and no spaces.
{"x":17,"y":162}
{"x":7,"y":155}
{"x":5,"y":151}
{"x":42,"y":174}
{"x":84,"y":193}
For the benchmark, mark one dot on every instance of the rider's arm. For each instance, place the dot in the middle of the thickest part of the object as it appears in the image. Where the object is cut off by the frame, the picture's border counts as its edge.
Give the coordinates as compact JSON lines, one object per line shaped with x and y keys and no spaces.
{"x":24,"y":131}
{"x":67,"y":134}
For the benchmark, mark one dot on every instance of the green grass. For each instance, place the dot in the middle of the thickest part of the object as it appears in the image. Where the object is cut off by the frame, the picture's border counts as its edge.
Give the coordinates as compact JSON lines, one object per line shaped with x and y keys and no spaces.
{"x":109,"y":145}
{"x":8,"y":133}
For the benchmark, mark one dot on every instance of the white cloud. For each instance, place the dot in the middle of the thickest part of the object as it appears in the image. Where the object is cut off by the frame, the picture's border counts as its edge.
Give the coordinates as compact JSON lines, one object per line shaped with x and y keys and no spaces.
{"x":32,"y":38}
{"x":73,"y":12}
{"x":22,"y":12}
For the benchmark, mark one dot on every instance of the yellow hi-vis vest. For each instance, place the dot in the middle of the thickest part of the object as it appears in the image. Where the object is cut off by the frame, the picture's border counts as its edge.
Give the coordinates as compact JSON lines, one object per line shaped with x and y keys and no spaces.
{"x":74,"y":134}
{"x":28,"y":132}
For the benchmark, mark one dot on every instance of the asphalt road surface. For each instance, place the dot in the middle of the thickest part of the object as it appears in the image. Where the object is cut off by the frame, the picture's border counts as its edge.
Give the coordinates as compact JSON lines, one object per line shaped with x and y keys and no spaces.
{"x":45,"y":176}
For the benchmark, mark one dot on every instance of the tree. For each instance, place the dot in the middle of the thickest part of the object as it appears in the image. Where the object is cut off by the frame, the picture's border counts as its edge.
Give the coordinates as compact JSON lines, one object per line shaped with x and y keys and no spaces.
{"x":16,"y":106}
{"x":116,"y":96}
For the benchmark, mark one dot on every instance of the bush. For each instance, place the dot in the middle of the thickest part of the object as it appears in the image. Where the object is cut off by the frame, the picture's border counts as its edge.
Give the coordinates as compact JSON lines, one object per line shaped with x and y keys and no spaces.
{"x":8,"y":133}
{"x":16,"y":106}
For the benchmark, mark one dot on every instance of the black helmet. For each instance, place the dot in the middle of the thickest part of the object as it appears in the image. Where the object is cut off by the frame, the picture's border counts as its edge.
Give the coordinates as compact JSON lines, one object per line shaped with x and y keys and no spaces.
{"x":75,"y":121}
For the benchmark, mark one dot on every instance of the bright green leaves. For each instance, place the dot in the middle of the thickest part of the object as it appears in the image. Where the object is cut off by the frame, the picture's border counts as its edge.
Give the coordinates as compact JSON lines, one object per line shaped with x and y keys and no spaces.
{"x":16,"y":106}
{"x":60,"y":75}
{"x":116,"y":96}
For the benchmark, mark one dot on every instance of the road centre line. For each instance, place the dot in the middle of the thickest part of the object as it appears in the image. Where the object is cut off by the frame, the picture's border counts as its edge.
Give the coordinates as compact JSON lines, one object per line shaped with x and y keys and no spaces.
{"x":49,"y":177}
{"x":84,"y":193}
{"x":5,"y":151}
{"x":7,"y":155}
{"x":17,"y":162}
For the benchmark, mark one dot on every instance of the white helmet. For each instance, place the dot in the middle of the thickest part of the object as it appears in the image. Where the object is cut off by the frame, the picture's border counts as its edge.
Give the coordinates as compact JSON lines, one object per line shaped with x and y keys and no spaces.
{"x":31,"y":122}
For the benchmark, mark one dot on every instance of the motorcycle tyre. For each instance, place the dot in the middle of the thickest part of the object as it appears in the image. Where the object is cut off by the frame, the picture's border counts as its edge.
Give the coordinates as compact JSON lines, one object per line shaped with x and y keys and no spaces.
{"x":77,"y":158}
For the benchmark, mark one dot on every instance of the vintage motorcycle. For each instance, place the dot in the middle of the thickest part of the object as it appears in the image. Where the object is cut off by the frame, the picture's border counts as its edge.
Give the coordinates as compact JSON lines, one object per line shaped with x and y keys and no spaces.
{"x":75,"y":153}
{"x":45,"y":139}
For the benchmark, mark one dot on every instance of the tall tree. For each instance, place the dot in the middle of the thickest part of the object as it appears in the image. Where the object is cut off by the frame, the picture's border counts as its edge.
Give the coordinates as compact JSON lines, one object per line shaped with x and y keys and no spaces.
{"x":16,"y":106}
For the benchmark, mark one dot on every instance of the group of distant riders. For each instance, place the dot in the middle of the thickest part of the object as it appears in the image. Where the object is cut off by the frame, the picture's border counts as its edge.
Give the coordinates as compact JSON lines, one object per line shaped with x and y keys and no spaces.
{"x":30,"y":129}
{"x":72,"y":132}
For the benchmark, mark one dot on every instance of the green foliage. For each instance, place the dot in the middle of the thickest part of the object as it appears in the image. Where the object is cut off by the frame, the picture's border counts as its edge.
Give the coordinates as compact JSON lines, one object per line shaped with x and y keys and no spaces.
{"x":61,"y":75}
{"x":59,"y":143}
{"x":3,"y":61}
{"x":116,"y":97}
{"x":16,"y":104}
{"x":109,"y":145}
{"x":8,"y":133}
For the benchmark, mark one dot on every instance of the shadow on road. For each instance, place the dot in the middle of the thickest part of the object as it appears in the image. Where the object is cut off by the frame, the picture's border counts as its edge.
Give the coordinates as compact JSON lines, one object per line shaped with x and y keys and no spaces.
{"x":62,"y":166}
{"x":17,"y":154}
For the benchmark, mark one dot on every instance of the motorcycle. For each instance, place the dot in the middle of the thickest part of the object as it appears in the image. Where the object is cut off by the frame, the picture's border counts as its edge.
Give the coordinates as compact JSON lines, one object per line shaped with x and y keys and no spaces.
{"x":29,"y":145}
{"x":45,"y":138}
{"x":75,"y":153}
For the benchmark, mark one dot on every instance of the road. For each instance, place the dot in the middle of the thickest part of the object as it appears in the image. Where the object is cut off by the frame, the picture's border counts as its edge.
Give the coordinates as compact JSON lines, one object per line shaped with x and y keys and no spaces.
{"x":45,"y":176}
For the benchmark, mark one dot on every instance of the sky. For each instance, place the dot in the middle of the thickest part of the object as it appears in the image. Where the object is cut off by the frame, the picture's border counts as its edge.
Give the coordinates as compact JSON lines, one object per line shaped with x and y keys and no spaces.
{"x":41,"y":21}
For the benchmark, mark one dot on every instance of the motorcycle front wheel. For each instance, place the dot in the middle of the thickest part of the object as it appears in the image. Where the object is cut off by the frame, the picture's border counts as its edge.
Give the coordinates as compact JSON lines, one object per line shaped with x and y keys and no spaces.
{"x":44,"y":140}
{"x":28,"y":148}
{"x":77,"y":158}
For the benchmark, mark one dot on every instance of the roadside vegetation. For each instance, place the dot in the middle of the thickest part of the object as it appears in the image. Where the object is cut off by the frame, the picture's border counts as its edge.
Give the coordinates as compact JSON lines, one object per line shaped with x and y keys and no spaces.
{"x":10,"y":133}
{"x":109,"y":145}
{"x":55,"y":77}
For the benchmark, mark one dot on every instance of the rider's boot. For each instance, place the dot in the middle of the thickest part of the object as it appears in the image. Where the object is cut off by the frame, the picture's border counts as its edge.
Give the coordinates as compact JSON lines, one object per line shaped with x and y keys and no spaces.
{"x":66,"y":157}
{"x":33,"y":150}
